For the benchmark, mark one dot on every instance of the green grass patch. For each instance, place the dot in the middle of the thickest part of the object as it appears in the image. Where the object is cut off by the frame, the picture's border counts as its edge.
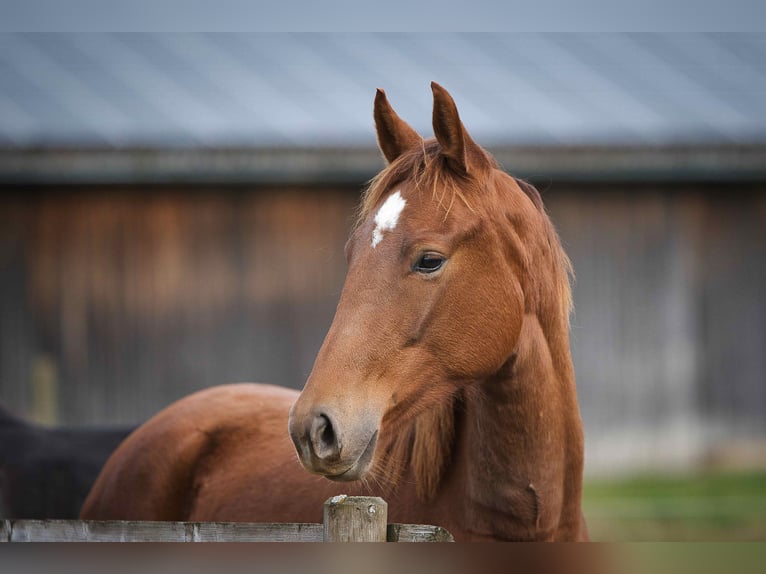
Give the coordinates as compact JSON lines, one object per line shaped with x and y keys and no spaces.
{"x":708,"y":507}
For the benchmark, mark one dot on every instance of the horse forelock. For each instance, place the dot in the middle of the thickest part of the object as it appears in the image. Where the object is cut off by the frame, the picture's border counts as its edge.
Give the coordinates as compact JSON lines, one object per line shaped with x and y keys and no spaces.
{"x":428,"y":170}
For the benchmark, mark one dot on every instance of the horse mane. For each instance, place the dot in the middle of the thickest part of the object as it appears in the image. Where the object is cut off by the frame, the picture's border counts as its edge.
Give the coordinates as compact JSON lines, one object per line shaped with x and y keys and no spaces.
{"x":562,"y":272}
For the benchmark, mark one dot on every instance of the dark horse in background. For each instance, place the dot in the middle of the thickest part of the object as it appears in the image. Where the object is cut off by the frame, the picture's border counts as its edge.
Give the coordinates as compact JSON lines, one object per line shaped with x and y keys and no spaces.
{"x":445,"y":383}
{"x":46,"y":472}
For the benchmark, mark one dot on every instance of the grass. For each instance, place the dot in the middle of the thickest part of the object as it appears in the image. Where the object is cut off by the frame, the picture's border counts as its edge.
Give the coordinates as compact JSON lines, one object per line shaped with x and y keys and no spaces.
{"x":709,"y":507}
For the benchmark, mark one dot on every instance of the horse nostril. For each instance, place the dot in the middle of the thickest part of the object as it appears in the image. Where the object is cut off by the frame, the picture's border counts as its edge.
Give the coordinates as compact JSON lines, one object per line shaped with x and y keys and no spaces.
{"x":327,"y":437}
{"x":324,"y":439}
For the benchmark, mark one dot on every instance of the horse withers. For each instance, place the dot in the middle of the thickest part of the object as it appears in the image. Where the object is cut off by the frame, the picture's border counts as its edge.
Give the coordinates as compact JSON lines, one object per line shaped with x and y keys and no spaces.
{"x":445,"y":383}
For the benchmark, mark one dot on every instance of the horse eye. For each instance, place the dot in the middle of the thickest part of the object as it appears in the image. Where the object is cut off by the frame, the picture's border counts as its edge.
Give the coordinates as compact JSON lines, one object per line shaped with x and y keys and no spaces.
{"x":429,"y":262}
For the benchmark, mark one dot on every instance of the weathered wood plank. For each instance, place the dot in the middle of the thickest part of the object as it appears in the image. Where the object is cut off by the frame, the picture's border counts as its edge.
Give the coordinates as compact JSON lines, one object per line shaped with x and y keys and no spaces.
{"x":134,"y":531}
{"x":418,"y":533}
{"x":346,"y":519}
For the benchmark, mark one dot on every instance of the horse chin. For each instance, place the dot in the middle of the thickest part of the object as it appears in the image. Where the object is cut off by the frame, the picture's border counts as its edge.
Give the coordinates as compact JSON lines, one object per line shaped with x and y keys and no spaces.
{"x":360,"y":467}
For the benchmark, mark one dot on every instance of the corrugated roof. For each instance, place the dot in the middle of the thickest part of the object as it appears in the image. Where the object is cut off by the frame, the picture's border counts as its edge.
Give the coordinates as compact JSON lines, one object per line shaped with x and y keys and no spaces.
{"x":276,"y":90}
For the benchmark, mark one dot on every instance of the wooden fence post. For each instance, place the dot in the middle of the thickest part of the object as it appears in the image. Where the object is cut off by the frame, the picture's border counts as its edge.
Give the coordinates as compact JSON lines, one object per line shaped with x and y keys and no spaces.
{"x":355,"y":519}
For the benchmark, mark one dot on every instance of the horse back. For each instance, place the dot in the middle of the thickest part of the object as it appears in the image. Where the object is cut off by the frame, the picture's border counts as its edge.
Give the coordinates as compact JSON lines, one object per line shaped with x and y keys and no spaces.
{"x":167,"y":469}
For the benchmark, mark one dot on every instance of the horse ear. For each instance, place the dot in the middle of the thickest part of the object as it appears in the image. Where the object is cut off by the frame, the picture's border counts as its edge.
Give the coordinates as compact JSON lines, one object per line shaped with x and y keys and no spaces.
{"x":456,"y":145}
{"x":395,"y":136}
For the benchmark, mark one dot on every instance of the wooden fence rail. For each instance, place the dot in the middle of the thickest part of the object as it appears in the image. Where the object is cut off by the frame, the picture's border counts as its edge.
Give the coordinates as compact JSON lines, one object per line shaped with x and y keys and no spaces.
{"x":346,"y":519}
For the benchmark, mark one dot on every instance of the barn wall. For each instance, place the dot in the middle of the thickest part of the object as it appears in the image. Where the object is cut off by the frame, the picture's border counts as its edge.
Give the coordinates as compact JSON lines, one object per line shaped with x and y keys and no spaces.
{"x":669,"y":330}
{"x":115,"y":302}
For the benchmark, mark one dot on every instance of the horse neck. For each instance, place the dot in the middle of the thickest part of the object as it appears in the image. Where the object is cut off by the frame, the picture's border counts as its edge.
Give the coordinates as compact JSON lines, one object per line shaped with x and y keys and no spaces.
{"x":518,"y":455}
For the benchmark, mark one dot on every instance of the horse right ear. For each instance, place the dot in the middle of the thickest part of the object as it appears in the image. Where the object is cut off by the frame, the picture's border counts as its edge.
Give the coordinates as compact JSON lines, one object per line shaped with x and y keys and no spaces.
{"x":395,"y":136}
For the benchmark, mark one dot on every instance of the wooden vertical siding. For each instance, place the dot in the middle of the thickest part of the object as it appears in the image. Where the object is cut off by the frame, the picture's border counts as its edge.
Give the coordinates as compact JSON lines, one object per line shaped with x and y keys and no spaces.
{"x":669,"y":330}
{"x":116,"y":302}
{"x":136,"y":299}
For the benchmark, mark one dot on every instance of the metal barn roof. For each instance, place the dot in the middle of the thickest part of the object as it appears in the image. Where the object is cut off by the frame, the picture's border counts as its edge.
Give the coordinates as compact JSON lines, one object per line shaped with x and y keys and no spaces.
{"x":317,"y":89}
{"x":197,"y":91}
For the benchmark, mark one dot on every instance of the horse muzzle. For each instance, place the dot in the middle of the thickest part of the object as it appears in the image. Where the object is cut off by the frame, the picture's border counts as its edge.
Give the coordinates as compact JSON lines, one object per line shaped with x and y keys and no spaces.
{"x":340,"y":451}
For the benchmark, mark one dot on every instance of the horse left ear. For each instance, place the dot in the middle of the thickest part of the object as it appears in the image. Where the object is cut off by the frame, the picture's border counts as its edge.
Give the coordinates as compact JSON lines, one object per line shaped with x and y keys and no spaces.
{"x":395,"y":136}
{"x":461,"y":151}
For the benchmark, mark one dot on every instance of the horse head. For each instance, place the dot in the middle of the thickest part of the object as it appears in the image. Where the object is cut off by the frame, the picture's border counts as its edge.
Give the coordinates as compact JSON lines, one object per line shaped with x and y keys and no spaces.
{"x":448,"y":255}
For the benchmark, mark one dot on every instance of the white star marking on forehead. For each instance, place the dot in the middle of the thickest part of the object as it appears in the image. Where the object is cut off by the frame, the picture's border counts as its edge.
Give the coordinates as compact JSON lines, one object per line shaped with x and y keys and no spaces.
{"x":387,"y":216}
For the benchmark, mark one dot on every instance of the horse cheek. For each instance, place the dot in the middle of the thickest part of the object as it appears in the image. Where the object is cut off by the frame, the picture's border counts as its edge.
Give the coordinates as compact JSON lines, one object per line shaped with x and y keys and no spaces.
{"x":502,"y":314}
{"x":468,"y":352}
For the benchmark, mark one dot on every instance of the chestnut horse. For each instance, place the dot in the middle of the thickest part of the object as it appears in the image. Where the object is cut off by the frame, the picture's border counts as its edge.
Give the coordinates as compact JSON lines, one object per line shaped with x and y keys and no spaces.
{"x":445,"y":383}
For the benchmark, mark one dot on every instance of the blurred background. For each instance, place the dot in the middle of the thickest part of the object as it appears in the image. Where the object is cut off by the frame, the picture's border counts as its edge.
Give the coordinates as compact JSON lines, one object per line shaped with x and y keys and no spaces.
{"x":173,"y":210}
